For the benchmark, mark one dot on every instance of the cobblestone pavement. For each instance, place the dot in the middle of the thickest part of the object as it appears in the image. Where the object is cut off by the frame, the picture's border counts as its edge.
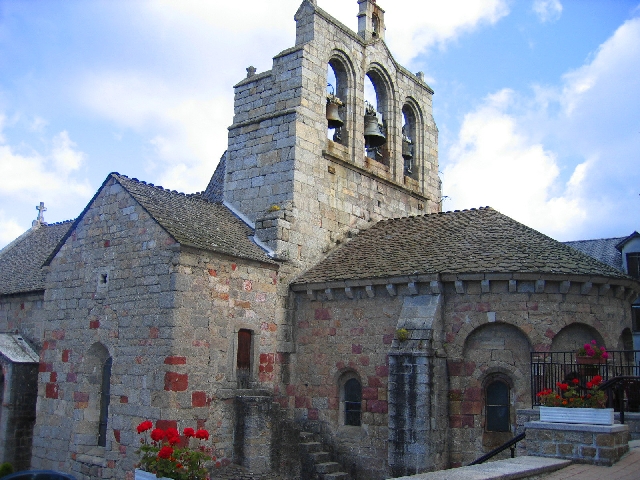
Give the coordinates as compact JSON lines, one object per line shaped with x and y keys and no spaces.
{"x":236,"y":472}
{"x":628,"y":468}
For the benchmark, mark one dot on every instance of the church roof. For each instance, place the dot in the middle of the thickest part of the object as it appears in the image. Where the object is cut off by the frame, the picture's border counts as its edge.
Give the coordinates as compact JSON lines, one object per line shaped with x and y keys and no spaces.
{"x":461,"y":242}
{"x":195,"y":221}
{"x":21,"y":261}
{"x":602,"y":249}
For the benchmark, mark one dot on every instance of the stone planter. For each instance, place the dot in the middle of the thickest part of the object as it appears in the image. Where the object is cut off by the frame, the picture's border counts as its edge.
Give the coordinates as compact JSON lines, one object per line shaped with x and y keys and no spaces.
{"x":583,"y":360}
{"x":142,"y":475}
{"x":592,"y":416}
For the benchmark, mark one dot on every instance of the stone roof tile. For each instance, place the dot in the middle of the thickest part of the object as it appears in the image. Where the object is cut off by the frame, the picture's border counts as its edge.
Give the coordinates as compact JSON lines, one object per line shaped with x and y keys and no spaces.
{"x":21,"y":261}
{"x":602,"y":249}
{"x":461,"y":242}
{"x":195,"y":221}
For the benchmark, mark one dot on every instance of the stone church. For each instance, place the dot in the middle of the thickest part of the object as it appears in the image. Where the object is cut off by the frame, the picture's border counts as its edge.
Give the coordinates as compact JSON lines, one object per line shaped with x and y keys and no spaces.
{"x":314,"y":286}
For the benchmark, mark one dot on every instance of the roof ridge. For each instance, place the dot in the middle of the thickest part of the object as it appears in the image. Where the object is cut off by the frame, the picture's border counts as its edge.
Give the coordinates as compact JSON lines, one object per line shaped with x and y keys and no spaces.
{"x":195,"y":196}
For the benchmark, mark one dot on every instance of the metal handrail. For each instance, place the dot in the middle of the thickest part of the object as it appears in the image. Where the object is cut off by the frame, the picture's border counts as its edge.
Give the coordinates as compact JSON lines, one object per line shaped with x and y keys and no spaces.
{"x":510,"y":444}
{"x":618,"y":385}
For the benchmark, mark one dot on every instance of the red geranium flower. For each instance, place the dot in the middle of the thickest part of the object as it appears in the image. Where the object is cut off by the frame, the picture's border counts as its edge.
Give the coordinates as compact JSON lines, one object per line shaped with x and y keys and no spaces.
{"x":575,"y":381}
{"x":158,"y":434}
{"x":189,"y":432}
{"x":202,"y":434}
{"x":165,"y":452}
{"x":144,"y":426}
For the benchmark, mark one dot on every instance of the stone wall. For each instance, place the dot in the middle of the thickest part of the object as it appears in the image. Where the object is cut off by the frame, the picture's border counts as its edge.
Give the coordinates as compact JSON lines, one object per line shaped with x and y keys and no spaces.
{"x":279,"y":156}
{"x":121,"y":287}
{"x":23,"y":314}
{"x":490,"y":328}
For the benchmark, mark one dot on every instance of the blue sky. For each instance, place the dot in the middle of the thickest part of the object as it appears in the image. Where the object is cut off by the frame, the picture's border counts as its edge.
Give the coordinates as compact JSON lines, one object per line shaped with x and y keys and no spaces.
{"x":537,"y":101}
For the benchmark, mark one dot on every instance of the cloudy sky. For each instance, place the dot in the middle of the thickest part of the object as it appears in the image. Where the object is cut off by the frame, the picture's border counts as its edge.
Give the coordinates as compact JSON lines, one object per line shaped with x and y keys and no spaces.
{"x":537,"y":101}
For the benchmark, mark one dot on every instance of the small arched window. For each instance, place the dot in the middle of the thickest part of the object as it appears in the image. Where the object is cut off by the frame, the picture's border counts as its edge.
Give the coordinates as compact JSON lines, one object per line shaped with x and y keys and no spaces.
{"x":498,"y":418}
{"x":243,"y":358}
{"x":105,"y":393}
{"x":352,"y":402}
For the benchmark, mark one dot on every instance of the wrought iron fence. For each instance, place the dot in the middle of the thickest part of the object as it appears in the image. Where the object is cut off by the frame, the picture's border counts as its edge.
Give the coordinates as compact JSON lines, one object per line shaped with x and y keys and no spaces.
{"x":549,"y":368}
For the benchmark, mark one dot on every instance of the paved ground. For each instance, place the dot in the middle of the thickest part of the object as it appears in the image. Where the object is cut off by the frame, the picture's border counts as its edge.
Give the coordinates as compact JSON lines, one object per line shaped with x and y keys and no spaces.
{"x":628,"y":468}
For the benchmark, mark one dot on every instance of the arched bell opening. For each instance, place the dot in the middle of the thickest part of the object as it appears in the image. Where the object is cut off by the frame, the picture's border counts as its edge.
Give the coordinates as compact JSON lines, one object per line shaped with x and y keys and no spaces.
{"x":336,"y":107}
{"x":375,"y":118}
{"x":409,"y":142}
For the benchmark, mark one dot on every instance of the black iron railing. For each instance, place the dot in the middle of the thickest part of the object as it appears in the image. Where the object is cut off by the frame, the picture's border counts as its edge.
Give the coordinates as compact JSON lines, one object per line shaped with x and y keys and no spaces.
{"x":510,"y":444}
{"x":549,"y":368}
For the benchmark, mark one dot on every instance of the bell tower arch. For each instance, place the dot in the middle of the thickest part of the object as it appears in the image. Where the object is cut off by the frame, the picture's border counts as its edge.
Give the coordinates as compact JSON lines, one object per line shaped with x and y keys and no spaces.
{"x":305,"y":188}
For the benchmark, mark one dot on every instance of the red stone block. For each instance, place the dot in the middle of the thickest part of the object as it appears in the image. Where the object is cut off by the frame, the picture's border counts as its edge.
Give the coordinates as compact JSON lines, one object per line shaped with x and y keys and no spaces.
{"x":72,"y":378}
{"x":124,"y":399}
{"x":471,"y":408}
{"x":374,"y":382}
{"x":369,"y":393}
{"x":455,"y":368}
{"x":213,"y":273}
{"x":357,"y":331}
{"x":174,"y":360}
{"x":51,"y":390}
{"x":53,"y":377}
{"x":303,"y":324}
{"x":164,"y":424}
{"x":357,"y":349}
{"x":550,"y":333}
{"x":364,"y":360}
{"x":233,"y":267}
{"x":176,"y":382}
{"x":58,"y":334}
{"x":377,"y":406}
{"x":463,"y":307}
{"x":291,"y":390}
{"x":65,"y":355}
{"x":473,"y":394}
{"x":268,"y":367}
{"x":303,"y":402}
{"x":107,"y":243}
{"x":154,"y":332}
{"x":387,"y":339}
{"x":199,"y":399}
{"x":45,"y":367}
{"x":382,"y":371}
{"x":80,"y":397}
{"x":340,"y":365}
{"x":483,"y":307}
{"x":533,"y":306}
{"x":116,"y":435}
{"x":322,"y":314}
{"x":93,"y":324}
{"x":334,"y":403}
{"x":312,"y":414}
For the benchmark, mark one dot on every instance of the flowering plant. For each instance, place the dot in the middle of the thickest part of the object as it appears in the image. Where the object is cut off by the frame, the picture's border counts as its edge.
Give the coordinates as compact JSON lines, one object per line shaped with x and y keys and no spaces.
{"x":568,"y":395}
{"x":592,"y":350}
{"x":168,"y":454}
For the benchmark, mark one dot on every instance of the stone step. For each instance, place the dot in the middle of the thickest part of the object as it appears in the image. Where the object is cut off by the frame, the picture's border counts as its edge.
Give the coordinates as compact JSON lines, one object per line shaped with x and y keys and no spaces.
{"x":335,"y":476}
{"x":327,"y":467}
{"x":320,"y":457}
{"x":307,"y":436}
{"x":311,"y":447}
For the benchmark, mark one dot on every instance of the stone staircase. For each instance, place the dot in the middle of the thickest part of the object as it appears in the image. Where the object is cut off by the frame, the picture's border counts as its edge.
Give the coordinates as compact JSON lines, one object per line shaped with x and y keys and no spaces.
{"x":316,"y":461}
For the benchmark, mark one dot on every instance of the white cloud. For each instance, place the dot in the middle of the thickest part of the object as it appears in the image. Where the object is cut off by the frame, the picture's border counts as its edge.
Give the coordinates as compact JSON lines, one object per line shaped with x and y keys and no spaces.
{"x":547,"y":10}
{"x":32,"y":174}
{"x":495,"y":163}
{"x":563,"y":160}
{"x":9,"y":229}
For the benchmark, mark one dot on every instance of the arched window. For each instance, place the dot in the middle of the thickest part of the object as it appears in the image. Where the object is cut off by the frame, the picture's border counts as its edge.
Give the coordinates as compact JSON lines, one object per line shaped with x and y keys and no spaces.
{"x":105,"y":395}
{"x":498,"y":417}
{"x":338,"y":93}
{"x":409,"y":142}
{"x":376,"y":103}
{"x":352,"y":394}
{"x":243,"y":358}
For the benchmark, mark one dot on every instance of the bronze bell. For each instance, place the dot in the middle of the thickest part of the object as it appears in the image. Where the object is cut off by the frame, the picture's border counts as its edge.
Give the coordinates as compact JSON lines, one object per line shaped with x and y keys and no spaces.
{"x":407,"y":148}
{"x":333,"y":116}
{"x":373,"y":136}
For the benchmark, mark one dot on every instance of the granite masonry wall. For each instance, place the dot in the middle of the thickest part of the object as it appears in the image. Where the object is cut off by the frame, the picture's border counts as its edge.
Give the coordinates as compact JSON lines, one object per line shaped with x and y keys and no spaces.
{"x":23,"y":314}
{"x":121,"y":287}
{"x":492,"y":325}
{"x":279,"y":156}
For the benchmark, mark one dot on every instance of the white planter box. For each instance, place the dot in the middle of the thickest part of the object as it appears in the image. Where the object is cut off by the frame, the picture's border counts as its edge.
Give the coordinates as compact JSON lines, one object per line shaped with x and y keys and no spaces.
{"x":592,"y":416}
{"x":142,"y":475}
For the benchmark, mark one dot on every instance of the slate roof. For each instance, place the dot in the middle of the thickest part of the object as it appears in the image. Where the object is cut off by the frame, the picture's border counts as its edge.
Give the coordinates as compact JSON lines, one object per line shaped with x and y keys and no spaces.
{"x":602,"y":249}
{"x":215,"y":189}
{"x":469,"y":241}
{"x":195,"y":221}
{"x":21,"y":261}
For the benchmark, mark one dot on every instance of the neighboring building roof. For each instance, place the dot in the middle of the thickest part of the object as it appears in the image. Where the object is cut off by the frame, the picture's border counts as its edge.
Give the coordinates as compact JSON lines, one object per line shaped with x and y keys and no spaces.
{"x":215,"y":189}
{"x":469,"y":241}
{"x":21,"y":261}
{"x":625,"y":240}
{"x":195,"y":221}
{"x":602,"y":249}
{"x":16,"y":350}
